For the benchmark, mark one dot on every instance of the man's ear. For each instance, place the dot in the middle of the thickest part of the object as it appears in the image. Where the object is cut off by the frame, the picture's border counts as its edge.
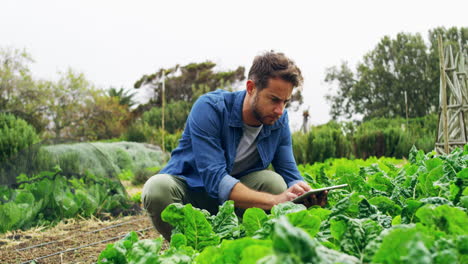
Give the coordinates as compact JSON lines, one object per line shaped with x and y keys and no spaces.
{"x":250,"y":87}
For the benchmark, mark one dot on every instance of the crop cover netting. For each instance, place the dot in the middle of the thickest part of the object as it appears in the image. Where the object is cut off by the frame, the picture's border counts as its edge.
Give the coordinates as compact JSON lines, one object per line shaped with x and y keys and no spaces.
{"x":79,"y":159}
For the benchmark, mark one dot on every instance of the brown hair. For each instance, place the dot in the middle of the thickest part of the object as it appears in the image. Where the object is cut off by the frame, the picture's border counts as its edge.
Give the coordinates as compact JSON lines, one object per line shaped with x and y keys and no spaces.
{"x":274,"y":65}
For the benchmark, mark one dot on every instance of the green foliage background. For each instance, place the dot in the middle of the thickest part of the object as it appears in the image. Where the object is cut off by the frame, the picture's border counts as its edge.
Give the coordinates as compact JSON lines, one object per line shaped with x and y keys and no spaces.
{"x":15,"y":135}
{"x":390,"y":137}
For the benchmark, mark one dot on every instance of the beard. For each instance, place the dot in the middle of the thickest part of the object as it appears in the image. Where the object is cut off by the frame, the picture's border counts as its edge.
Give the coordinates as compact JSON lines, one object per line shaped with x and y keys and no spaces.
{"x":259,"y":116}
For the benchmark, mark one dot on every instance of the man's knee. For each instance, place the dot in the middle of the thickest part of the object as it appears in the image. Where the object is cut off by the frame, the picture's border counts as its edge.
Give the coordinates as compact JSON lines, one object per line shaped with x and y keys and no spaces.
{"x":159,"y":191}
{"x":265,"y":181}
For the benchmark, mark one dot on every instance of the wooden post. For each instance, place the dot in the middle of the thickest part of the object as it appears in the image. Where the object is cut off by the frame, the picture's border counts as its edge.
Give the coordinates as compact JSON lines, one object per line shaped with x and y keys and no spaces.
{"x":444,"y":94}
{"x":406,"y":104}
{"x":163,"y":106}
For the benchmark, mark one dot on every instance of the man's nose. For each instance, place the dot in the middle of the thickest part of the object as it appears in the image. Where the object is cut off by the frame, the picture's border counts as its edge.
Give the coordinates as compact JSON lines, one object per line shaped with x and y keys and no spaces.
{"x":279,"y":109}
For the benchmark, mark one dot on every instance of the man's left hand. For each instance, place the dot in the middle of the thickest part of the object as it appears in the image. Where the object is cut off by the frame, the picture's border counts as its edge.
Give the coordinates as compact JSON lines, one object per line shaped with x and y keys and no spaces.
{"x":316,"y":199}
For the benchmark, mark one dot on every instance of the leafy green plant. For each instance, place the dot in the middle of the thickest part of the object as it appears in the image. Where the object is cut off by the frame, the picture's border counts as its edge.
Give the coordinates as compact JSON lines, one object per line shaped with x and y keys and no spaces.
{"x":392,"y":212}
{"x":49,"y":197}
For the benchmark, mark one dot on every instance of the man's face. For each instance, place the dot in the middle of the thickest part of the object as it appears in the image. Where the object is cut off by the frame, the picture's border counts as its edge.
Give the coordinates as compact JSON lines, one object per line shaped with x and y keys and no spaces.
{"x":268,"y":104}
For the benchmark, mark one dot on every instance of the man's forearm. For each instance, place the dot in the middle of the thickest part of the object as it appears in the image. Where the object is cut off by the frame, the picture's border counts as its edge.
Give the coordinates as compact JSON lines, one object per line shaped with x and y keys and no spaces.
{"x":245,"y":197}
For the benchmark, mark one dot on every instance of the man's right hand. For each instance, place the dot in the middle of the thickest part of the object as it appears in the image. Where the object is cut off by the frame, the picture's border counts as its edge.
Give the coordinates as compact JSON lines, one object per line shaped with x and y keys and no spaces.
{"x":292,"y":192}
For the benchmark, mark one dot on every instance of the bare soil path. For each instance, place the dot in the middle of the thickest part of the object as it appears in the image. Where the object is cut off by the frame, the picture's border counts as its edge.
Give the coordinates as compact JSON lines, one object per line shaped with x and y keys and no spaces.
{"x":71,"y":241}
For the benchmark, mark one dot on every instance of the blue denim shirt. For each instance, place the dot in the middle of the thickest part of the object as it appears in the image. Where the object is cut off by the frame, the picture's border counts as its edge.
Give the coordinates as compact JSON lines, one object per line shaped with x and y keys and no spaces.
{"x":207,"y":150}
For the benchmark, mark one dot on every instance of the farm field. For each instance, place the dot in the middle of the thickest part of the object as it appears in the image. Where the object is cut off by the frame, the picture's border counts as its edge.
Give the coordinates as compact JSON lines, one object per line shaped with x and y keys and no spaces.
{"x":391,"y":213}
{"x":390,"y":205}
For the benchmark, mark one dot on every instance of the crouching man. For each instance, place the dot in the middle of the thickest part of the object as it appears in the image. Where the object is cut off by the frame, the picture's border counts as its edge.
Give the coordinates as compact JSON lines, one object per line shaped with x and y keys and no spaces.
{"x":229,"y":141}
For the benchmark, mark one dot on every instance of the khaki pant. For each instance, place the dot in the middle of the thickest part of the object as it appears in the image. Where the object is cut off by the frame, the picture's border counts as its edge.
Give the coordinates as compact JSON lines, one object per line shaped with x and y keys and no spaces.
{"x":163,"y":189}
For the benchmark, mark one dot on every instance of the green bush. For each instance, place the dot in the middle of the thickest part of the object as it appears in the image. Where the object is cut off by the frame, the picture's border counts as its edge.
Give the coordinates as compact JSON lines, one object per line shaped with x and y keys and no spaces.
{"x":322,"y":142}
{"x":143,"y":132}
{"x":377,"y":137}
{"x":142,"y":175}
{"x":176,"y":114}
{"x":15,"y":135}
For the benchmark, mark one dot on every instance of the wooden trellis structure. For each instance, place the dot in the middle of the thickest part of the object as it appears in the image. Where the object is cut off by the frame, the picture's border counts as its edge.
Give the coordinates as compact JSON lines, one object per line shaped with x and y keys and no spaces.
{"x":453,"y":115}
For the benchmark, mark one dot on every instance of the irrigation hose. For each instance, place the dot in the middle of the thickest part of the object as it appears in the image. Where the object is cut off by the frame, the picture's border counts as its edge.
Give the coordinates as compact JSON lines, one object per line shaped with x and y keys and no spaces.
{"x":83,"y":246}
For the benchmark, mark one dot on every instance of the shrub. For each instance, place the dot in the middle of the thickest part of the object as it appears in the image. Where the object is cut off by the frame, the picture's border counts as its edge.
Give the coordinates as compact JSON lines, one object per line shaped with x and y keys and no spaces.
{"x":322,"y":142}
{"x":15,"y":135}
{"x":143,"y":132}
{"x":142,"y":175}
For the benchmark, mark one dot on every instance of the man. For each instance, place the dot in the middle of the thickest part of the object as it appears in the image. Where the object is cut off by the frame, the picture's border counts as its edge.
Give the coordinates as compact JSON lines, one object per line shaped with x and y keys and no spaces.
{"x":229,"y":141}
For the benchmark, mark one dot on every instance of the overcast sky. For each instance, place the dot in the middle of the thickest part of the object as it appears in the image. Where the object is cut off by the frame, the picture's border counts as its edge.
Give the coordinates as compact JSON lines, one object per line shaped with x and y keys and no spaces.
{"x":115,"y":42}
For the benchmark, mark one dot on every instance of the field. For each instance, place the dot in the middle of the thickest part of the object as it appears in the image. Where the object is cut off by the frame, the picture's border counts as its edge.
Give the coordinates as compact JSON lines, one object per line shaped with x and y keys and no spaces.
{"x":394,"y":211}
{"x":391,"y":213}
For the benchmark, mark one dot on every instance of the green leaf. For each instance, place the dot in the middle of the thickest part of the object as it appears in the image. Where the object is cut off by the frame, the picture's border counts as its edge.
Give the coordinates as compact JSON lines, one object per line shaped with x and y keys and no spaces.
{"x":306,"y":221}
{"x":338,"y":228}
{"x":236,"y":251}
{"x":463,"y":174}
{"x":225,"y":223}
{"x":397,"y":242}
{"x":293,"y":245}
{"x":322,"y":213}
{"x":192,"y":223}
{"x":385,"y":205}
{"x":448,"y":219}
{"x":178,"y":240}
{"x":252,"y":254}
{"x":286,"y":208}
{"x":417,"y":252}
{"x":145,"y":251}
{"x":407,"y":214}
{"x":116,"y":253}
{"x":253,"y":220}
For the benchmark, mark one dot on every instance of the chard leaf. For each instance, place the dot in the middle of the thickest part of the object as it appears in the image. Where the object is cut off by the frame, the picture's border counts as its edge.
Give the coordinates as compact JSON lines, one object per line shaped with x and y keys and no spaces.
{"x":436,"y":201}
{"x":252,"y":254}
{"x":178,"y":240}
{"x":236,"y":251}
{"x":464,"y":202}
{"x":286,"y":208}
{"x":225,"y":223}
{"x":306,"y":221}
{"x":292,"y":245}
{"x":322,"y":213}
{"x":463,"y":174}
{"x":396,"y":243}
{"x":385,"y":205}
{"x":116,"y":253}
{"x":192,"y":223}
{"x":417,"y":252}
{"x":145,"y":251}
{"x":253,"y":220}
{"x":448,"y":219}
{"x":182,"y":255}
{"x":349,"y":205}
{"x":407,"y":214}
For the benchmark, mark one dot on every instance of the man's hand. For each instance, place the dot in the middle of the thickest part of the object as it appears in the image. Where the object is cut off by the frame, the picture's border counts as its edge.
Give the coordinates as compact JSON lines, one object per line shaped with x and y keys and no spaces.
{"x":316,"y":199}
{"x":293,"y":192}
{"x":301,"y":188}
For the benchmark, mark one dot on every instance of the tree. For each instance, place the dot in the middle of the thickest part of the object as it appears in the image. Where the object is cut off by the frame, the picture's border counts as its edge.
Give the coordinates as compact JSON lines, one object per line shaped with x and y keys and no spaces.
{"x":20,"y":94}
{"x":104,"y":118}
{"x":123,"y":97}
{"x":71,"y":95}
{"x":182,"y":82}
{"x":394,"y":67}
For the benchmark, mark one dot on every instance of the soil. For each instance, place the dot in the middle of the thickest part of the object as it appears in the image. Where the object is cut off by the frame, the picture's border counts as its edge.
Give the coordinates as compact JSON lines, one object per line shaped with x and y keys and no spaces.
{"x":83,"y":240}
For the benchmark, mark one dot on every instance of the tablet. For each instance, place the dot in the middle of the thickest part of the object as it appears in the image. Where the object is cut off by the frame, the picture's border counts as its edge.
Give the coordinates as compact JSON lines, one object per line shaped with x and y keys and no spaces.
{"x":307,"y":194}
